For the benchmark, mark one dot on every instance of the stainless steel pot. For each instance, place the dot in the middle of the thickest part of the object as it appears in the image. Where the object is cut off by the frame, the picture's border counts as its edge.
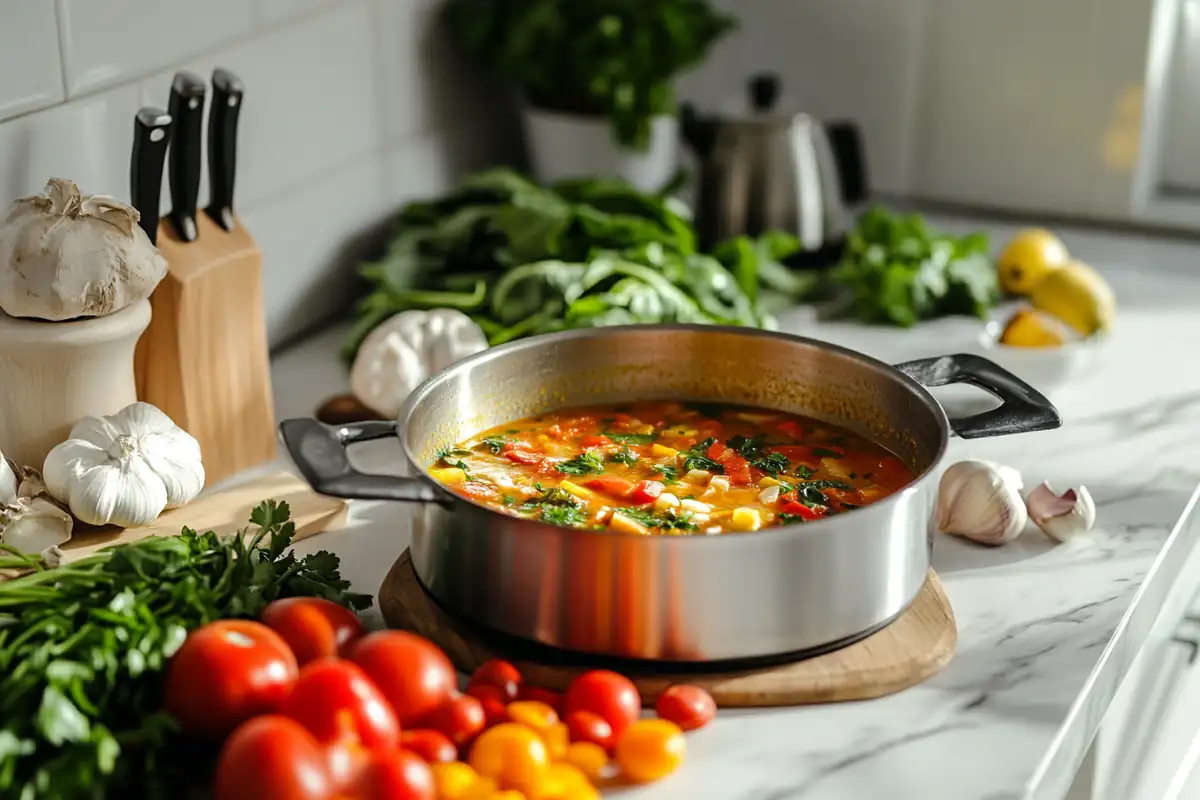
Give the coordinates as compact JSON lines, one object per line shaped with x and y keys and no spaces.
{"x":794,"y":589}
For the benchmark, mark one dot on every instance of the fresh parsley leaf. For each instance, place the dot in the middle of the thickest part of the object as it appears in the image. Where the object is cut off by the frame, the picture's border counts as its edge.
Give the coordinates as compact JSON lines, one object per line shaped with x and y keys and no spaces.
{"x":631,"y":438}
{"x":771,"y":463}
{"x":582,"y":464}
{"x":697,"y":458}
{"x":669,"y":472}
{"x":625,"y":456}
{"x":671,"y":519}
{"x":494,"y":443}
{"x":562,"y":515}
{"x":556,"y":506}
{"x":746,"y":446}
{"x":809,"y":492}
{"x":804,"y":472}
{"x":449,"y":457}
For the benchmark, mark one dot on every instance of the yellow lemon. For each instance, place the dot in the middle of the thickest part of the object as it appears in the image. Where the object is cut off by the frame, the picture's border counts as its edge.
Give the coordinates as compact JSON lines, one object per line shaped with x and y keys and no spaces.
{"x":1077,"y":295}
{"x":1029,"y":257}
{"x":1031,"y":328}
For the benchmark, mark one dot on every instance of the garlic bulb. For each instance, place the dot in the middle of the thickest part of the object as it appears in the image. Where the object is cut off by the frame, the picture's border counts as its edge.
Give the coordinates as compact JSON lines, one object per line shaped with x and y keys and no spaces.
{"x":8,"y":481}
{"x":981,"y":501}
{"x":405,"y":350}
{"x":125,"y":469}
{"x":30,"y":520}
{"x":1061,"y":516}
{"x":63,"y":255}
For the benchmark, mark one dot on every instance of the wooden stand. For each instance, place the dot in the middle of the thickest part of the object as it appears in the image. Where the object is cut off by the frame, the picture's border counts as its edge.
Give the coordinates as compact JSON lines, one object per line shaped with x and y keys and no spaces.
{"x":912,"y":648}
{"x":204,"y":359}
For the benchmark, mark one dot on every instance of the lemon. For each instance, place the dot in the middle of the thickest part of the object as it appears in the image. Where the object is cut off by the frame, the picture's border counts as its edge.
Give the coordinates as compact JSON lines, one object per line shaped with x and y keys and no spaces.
{"x":1031,"y":328}
{"x":1027,"y":258}
{"x":1077,"y":295}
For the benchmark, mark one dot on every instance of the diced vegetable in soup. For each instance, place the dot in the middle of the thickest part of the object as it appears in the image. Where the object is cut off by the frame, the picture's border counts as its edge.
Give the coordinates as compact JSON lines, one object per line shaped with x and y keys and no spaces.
{"x":670,"y":468}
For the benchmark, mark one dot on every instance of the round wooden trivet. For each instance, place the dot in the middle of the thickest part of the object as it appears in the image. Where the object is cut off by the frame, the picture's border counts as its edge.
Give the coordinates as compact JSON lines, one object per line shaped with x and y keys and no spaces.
{"x":913,"y":647}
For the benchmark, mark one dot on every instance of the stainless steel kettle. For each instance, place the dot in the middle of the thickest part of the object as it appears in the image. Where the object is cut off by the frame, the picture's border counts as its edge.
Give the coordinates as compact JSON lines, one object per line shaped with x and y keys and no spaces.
{"x":770,"y":171}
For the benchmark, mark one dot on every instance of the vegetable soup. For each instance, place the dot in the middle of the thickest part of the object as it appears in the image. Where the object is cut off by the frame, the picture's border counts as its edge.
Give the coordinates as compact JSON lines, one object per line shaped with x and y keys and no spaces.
{"x":670,"y":468}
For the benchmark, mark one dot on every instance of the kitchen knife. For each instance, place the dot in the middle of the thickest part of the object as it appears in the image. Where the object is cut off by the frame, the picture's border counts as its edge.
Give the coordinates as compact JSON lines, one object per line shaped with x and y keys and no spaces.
{"x":151,"y":135}
{"x":187,"y":111}
{"x":222,"y":145}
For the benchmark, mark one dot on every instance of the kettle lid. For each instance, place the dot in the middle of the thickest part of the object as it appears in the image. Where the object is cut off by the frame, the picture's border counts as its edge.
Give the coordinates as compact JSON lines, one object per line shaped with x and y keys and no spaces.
{"x":759,"y":104}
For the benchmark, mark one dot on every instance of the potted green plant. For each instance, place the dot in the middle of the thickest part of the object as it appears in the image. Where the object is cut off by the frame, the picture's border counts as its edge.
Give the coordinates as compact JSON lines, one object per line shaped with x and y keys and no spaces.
{"x":596,"y":77}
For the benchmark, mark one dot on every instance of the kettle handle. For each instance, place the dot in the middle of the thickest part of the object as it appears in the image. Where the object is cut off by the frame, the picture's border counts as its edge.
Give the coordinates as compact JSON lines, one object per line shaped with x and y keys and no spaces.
{"x":846,"y":142}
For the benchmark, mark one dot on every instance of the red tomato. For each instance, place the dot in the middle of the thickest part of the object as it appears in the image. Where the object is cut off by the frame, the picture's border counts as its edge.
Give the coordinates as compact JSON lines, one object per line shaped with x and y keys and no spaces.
{"x":584,"y":726}
{"x":709,"y":427}
{"x":499,"y":673}
{"x":804,"y":512}
{"x":524,"y":457}
{"x":789,"y":427}
{"x":461,"y":718}
{"x":646,"y":492}
{"x":737,"y":469}
{"x":395,"y":775}
{"x":433,"y":746}
{"x":225,"y":673}
{"x":413,"y":674}
{"x":312,"y":626}
{"x":336,"y":701}
{"x":492,"y":700}
{"x":689,"y":707}
{"x":716,"y":450}
{"x":596,"y":440}
{"x":540,"y":695}
{"x":610,"y":485}
{"x":271,"y":758}
{"x":613,"y":697}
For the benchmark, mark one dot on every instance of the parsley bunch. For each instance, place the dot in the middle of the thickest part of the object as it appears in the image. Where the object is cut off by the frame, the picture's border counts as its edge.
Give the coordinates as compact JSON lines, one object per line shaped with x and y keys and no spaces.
{"x":83,"y":648}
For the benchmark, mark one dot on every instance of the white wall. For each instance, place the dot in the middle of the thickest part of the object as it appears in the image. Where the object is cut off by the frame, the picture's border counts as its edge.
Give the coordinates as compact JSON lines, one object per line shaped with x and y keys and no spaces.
{"x":351,"y":107}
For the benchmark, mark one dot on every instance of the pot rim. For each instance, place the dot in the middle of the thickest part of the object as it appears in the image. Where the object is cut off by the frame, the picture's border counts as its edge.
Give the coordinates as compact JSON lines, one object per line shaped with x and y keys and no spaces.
{"x":797,"y":529}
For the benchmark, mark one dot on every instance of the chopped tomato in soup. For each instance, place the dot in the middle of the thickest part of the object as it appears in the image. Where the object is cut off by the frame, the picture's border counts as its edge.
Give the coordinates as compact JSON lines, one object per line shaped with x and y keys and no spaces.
{"x":670,"y":468}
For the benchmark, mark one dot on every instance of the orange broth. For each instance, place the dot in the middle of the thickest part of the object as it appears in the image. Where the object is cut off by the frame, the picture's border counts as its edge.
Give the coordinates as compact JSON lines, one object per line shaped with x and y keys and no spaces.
{"x":670,"y":468}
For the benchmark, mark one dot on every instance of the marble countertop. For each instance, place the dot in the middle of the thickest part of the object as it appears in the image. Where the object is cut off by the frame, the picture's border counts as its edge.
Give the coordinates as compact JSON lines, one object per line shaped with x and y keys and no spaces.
{"x":1046,"y":632}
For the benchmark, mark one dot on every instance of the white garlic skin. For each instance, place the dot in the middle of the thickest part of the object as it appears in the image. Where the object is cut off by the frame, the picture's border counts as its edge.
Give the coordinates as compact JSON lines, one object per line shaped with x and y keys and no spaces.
{"x":981,"y":501}
{"x":33,"y":524}
{"x":125,"y":469}
{"x":8,"y":481}
{"x":1061,"y":517}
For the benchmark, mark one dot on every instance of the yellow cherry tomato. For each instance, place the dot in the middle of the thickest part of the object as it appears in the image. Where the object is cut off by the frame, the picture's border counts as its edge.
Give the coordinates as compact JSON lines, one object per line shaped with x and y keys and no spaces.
{"x":453,"y":780}
{"x":532,"y":714}
{"x":561,"y":782}
{"x":588,"y":757}
{"x":514,"y":755}
{"x":650,"y":749}
{"x":556,"y":737}
{"x":508,"y":794}
{"x":482,"y":789}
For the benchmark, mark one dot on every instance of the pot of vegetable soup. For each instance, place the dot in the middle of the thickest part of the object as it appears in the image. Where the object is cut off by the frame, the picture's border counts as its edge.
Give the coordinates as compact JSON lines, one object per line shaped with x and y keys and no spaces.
{"x":682,"y":493}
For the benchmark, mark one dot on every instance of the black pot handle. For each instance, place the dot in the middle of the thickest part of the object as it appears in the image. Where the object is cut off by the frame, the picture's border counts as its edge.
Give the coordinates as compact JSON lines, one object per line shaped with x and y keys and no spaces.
{"x":319,"y":452}
{"x":1023,"y":409}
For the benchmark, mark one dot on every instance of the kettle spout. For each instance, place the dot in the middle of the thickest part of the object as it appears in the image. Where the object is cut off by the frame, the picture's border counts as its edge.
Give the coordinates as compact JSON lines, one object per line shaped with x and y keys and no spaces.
{"x":698,"y":133}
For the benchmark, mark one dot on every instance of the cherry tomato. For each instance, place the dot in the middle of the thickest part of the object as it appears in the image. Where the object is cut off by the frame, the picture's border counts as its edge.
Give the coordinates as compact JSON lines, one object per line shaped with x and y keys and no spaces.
{"x":532,"y":714}
{"x":586,"y":726}
{"x":646,"y":491}
{"x":689,"y":707}
{"x":595,"y":440}
{"x":512,"y":754}
{"x":393,"y":775}
{"x":454,"y":780}
{"x":460,"y":718}
{"x":272,"y":757}
{"x":737,"y":469}
{"x":312,"y":626}
{"x":588,"y":757}
{"x":650,"y":749}
{"x":492,"y":699}
{"x":499,"y":673}
{"x":716,"y":450}
{"x":801,"y":510}
{"x":336,"y":700}
{"x":413,"y":674}
{"x":562,"y":781}
{"x":612,"y":696}
{"x":225,"y":673}
{"x":540,"y":695}
{"x":433,"y":746}
{"x":790,"y":428}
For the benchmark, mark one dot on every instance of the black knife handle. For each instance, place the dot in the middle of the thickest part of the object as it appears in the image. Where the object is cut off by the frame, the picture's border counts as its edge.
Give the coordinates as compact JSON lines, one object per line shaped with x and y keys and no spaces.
{"x":151,"y":135}
{"x":187,"y":111}
{"x":222,"y":145}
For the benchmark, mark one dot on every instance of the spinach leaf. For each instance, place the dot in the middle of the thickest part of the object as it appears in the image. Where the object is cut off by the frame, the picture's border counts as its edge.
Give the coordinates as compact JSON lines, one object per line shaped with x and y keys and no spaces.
{"x":585,"y":463}
{"x":494,"y":443}
{"x":671,"y":519}
{"x":631,"y":438}
{"x":697,"y":458}
{"x":668,"y":472}
{"x":624,"y":456}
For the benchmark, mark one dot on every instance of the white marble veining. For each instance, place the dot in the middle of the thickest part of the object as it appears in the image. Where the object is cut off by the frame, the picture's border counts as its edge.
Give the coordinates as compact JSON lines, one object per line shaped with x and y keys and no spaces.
{"x":1046,"y":632}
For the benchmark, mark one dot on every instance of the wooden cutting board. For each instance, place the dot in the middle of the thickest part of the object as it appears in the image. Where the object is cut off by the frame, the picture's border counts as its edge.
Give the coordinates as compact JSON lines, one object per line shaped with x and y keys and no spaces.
{"x":225,"y":512}
{"x":911,"y":649}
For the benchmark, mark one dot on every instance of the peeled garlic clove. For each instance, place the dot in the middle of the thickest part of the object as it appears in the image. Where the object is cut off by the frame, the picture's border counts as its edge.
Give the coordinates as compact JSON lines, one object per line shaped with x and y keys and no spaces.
{"x":1061,"y":516}
{"x":32,"y":524}
{"x":981,"y":501}
{"x":53,"y":558}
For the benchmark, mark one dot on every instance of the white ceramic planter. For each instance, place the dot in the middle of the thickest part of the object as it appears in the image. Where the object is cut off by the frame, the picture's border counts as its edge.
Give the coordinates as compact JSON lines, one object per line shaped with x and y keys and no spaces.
{"x":54,"y":373}
{"x":572,"y":146}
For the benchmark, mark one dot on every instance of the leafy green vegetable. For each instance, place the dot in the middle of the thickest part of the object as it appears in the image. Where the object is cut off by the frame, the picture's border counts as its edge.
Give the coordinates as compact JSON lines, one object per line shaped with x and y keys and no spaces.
{"x":669,"y":472}
{"x":804,"y":472}
{"x":751,"y":449}
{"x":494,"y":443}
{"x":671,"y":519}
{"x":697,"y":458}
{"x":83,"y":648}
{"x":556,"y":506}
{"x":614,"y":58}
{"x":582,"y":464}
{"x":450,"y":457}
{"x":899,"y":271}
{"x":522,"y":259}
{"x":789,"y":519}
{"x":631,"y":438}
{"x":624,"y":456}
{"x":809,"y":492}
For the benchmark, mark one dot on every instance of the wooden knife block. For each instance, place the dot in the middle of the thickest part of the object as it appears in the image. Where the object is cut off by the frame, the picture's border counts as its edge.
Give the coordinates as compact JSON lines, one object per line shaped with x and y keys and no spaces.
{"x":204,"y":360}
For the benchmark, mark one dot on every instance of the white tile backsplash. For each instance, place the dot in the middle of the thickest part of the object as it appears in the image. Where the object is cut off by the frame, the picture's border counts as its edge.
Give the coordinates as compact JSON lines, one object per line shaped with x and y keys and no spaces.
{"x":30,"y":66}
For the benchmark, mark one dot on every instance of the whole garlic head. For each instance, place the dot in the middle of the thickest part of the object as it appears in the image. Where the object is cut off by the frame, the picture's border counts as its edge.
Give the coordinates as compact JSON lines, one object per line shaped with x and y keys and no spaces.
{"x":125,"y":469}
{"x":405,"y":350}
{"x":981,"y":501}
{"x":1061,"y":516}
{"x":63,"y":255}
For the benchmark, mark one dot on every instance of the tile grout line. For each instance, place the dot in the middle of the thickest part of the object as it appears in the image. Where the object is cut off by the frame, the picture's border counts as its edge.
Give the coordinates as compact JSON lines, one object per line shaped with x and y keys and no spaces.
{"x":63,"y":40}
